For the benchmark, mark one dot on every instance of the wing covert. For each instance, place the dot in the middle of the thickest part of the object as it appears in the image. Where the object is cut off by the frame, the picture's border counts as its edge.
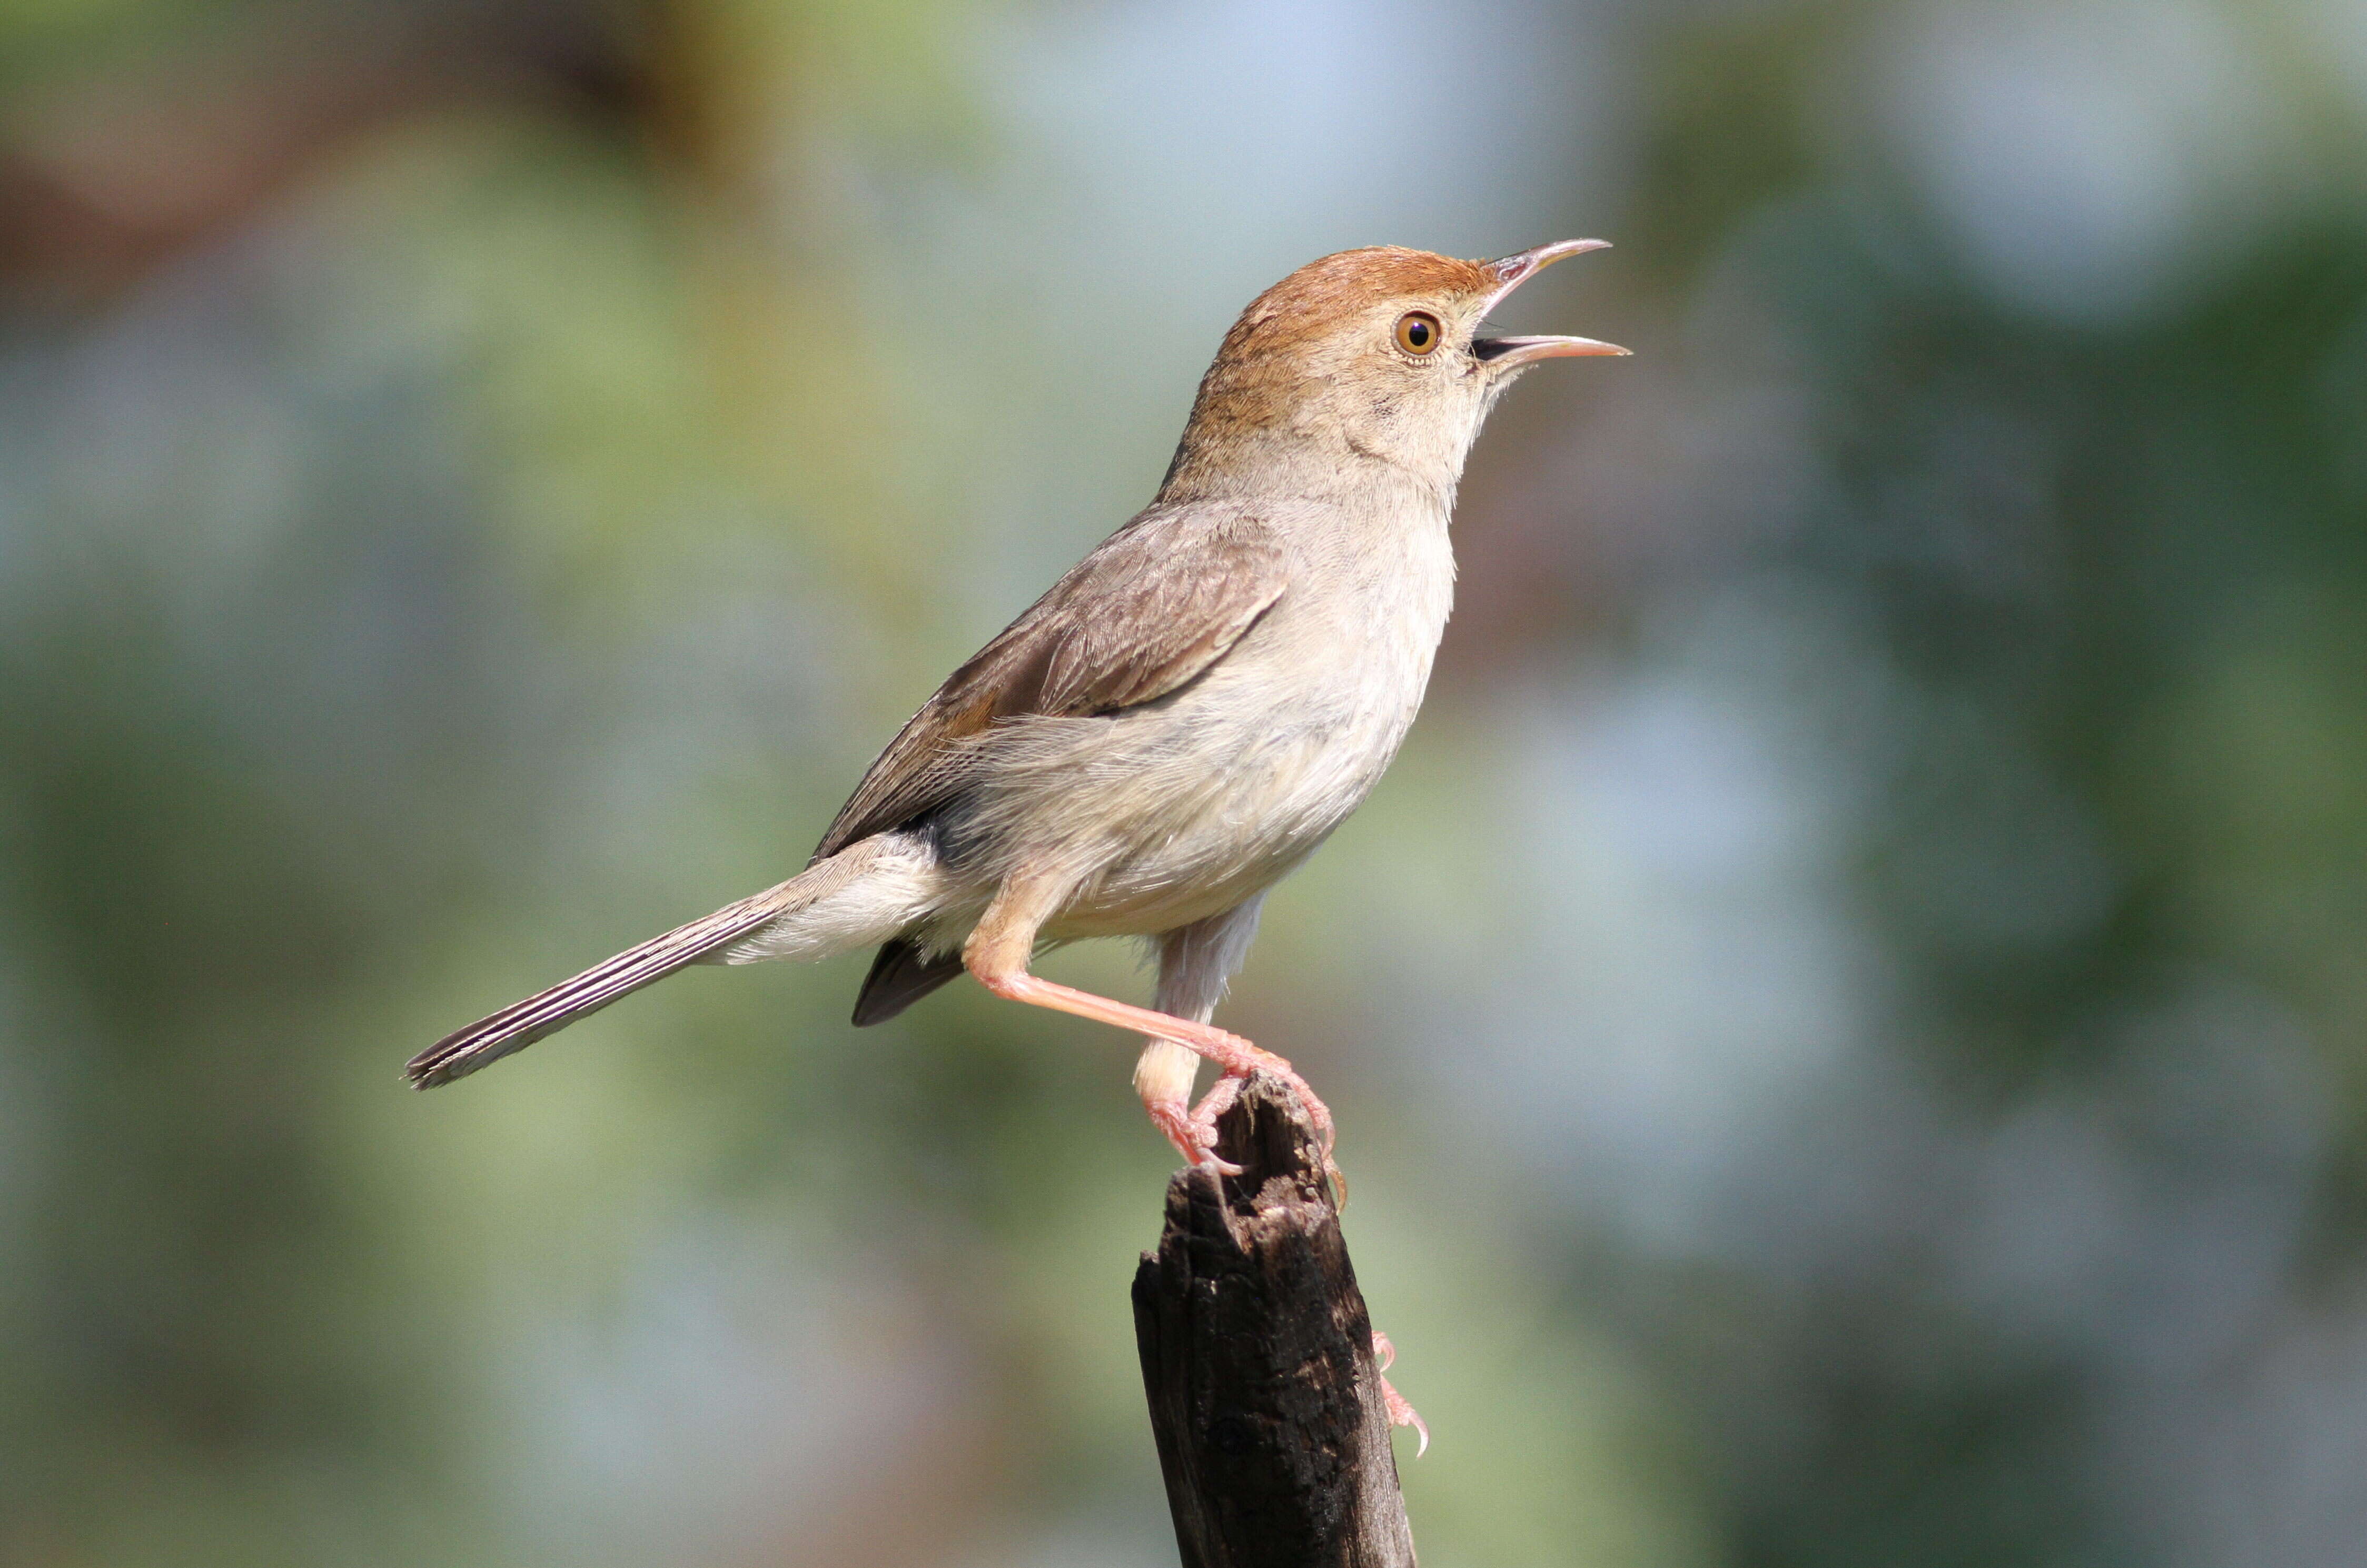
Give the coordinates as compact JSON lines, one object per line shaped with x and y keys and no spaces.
{"x":1152,"y":607}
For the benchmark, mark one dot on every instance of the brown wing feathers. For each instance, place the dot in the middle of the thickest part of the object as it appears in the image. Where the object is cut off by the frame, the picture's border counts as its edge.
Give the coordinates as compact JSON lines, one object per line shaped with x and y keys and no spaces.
{"x":1159,"y":601}
{"x":1153,"y":607}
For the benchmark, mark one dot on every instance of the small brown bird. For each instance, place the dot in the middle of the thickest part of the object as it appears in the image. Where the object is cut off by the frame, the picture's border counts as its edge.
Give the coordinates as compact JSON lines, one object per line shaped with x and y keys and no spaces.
{"x":1182,"y":718}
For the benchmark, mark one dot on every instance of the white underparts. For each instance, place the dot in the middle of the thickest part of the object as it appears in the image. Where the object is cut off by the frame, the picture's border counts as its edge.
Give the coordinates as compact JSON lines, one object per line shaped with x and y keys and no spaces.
{"x":866,"y":894}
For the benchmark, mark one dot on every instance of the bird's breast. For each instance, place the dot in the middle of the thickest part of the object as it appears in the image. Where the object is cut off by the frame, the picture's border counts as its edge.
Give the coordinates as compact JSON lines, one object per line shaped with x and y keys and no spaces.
{"x":1229,"y":785}
{"x":1182,"y":807}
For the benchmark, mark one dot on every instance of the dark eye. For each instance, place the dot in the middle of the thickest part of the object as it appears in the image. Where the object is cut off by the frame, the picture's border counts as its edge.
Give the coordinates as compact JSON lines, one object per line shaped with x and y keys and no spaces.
{"x":1418,"y":332}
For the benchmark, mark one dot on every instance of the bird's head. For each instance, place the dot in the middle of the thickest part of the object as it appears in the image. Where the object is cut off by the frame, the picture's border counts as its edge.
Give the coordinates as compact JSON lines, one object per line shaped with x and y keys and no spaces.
{"x":1369,"y":356}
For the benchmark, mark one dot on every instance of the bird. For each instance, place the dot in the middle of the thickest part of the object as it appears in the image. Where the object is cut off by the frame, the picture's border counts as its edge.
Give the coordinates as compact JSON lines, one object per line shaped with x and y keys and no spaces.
{"x":1178,"y":722}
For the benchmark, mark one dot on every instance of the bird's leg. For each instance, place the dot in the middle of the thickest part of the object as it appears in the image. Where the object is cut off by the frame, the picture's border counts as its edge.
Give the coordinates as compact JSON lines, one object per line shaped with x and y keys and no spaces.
{"x":1235,"y":1055}
{"x":1163,"y":1078}
{"x":997,"y":952}
{"x":1194,"y":961}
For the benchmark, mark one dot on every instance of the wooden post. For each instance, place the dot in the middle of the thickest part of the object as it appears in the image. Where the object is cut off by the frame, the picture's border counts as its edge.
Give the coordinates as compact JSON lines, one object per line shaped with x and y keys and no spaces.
{"x":1257,"y":1354}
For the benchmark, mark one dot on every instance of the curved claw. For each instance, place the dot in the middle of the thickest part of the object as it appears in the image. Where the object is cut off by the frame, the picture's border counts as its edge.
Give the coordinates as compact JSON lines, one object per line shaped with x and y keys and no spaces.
{"x":1227,"y":1089}
{"x":1193,"y":1133}
{"x":1215,"y":1103}
{"x":1385,"y":1356}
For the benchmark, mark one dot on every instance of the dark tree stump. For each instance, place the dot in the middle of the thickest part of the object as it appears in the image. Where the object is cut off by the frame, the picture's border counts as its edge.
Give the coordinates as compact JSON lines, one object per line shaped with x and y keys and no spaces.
{"x":1258,"y":1358}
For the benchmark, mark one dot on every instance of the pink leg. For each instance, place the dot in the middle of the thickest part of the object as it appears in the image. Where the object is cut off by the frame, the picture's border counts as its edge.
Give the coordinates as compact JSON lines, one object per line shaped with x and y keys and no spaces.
{"x":1193,"y":1134}
{"x":997,"y":955}
{"x":1401,"y":1412}
{"x":1236,"y":1056}
{"x":1163,"y":1078}
{"x":1215,"y":1103}
{"x":1192,"y":1129}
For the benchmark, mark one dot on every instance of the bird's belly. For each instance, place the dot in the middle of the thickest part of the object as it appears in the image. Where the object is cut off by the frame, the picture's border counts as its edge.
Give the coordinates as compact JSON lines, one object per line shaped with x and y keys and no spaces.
{"x":1212,"y":798}
{"x":1194,"y":857}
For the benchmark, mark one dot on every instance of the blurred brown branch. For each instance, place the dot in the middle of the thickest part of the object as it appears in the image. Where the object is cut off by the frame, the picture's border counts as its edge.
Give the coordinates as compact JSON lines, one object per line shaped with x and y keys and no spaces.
{"x":106,"y":178}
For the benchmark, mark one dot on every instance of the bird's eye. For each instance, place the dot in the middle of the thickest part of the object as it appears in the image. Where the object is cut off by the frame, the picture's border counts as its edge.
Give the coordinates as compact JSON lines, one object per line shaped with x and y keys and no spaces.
{"x":1418,"y":332}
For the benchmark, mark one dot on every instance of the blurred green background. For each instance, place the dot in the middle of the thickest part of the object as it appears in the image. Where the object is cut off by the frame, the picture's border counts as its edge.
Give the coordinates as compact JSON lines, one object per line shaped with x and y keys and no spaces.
{"x":1848,"y":1017}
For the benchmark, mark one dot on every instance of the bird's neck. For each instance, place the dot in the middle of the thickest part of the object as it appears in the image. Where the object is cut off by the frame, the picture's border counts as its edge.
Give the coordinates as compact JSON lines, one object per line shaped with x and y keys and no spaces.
{"x":1317,"y":462}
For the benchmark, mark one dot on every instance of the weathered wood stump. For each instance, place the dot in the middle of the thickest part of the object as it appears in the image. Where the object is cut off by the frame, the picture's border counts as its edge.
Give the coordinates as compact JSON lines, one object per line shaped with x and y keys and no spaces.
{"x":1257,"y":1354}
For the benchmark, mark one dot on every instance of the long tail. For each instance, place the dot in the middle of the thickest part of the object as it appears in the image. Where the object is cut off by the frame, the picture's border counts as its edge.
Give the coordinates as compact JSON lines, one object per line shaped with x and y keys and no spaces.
{"x":866,"y":893}
{"x":520,"y":1024}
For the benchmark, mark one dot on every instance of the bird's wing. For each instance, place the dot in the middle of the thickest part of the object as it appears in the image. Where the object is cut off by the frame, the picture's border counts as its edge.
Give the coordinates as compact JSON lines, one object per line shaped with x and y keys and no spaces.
{"x":1154,"y":605}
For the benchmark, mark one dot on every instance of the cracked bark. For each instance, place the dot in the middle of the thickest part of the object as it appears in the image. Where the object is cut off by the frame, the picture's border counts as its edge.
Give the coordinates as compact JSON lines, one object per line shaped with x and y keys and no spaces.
{"x":1257,"y":1356}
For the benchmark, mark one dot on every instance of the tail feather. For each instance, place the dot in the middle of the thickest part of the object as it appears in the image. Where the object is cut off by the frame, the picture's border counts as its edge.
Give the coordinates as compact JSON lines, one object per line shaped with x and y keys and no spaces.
{"x":903,"y":974}
{"x":871,"y":891}
{"x":520,"y":1024}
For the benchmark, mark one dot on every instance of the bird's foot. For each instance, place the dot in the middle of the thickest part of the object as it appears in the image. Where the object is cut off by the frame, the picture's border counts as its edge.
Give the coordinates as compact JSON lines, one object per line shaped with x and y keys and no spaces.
{"x":1400,"y":1414}
{"x":1257,"y":1060}
{"x":1212,"y":1105}
{"x":1194,"y":1135}
{"x":1227,"y":1089}
{"x":1235,"y":1057}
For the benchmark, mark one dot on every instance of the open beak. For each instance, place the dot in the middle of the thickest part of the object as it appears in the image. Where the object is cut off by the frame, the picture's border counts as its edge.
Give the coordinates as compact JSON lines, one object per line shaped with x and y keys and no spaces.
{"x":1506,"y":353}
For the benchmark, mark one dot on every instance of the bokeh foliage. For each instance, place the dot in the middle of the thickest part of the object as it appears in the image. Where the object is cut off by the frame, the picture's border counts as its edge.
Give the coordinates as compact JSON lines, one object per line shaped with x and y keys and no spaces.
{"x":1847,"y":1016}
